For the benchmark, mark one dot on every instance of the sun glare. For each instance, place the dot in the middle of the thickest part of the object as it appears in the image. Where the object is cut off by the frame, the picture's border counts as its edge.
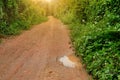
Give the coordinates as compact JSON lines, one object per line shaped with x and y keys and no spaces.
{"x":48,"y":1}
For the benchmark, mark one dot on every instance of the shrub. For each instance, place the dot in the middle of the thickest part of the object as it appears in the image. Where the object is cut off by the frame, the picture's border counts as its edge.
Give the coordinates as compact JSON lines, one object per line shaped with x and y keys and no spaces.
{"x":18,"y":15}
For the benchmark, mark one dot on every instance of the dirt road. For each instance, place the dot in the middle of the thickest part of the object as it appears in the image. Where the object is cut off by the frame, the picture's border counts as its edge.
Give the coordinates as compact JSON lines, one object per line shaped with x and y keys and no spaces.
{"x":34,"y":54}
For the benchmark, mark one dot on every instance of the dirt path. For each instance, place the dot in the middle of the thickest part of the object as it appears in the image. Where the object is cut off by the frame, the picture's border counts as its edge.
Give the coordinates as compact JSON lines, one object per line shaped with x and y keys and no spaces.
{"x":34,"y":54}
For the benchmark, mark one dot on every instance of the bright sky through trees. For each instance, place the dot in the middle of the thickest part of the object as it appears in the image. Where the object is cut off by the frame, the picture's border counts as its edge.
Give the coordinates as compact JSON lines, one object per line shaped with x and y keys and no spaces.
{"x":42,"y":0}
{"x":48,"y":1}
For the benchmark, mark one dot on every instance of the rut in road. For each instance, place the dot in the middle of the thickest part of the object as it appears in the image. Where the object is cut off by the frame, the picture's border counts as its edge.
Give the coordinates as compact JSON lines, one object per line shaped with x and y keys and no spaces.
{"x":34,"y":54}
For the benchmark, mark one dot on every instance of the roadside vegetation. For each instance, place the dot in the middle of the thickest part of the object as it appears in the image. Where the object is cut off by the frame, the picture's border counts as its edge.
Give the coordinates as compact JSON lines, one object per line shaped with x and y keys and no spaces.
{"x":95,"y":32}
{"x":18,"y":15}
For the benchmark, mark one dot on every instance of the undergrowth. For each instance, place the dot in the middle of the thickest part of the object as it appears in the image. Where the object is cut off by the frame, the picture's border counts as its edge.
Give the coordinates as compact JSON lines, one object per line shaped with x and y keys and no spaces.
{"x":99,"y":48}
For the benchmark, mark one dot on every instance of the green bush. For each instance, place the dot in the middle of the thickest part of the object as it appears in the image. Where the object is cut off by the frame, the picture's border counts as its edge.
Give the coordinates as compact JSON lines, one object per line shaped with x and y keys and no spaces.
{"x":19,"y":15}
{"x":99,"y":48}
{"x":101,"y":55}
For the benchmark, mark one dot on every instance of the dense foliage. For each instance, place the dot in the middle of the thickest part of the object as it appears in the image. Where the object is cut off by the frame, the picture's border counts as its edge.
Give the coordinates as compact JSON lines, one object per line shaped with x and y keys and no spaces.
{"x":17,"y":15}
{"x":95,"y":31}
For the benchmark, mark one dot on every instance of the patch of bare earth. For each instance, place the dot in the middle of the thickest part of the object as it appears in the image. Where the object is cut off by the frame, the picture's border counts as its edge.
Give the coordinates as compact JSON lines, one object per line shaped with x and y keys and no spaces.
{"x":34,"y":55}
